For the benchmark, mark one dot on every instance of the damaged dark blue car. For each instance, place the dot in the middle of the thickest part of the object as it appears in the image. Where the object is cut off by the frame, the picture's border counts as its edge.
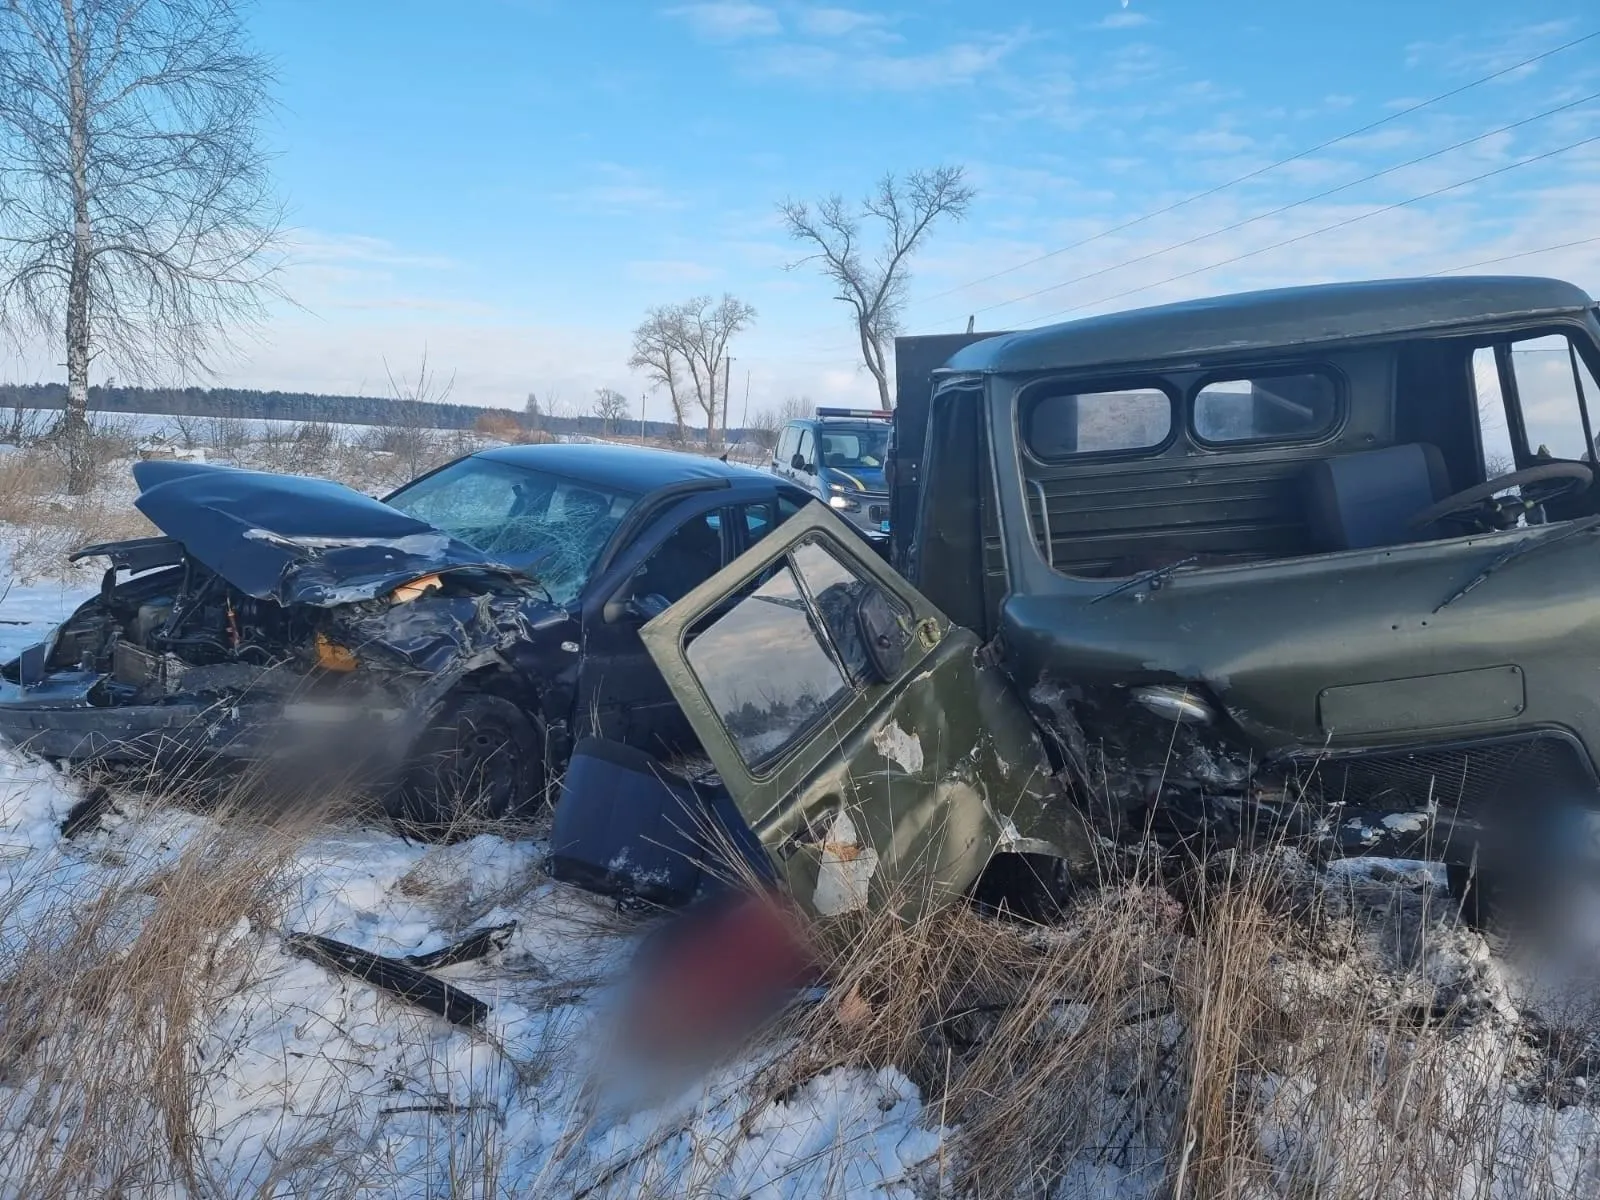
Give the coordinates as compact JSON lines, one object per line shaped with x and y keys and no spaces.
{"x":444,"y":647}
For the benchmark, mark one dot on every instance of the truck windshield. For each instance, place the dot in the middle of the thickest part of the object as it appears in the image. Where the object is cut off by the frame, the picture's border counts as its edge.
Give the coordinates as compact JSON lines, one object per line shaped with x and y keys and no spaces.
{"x":551,"y":527}
{"x":857,"y":449}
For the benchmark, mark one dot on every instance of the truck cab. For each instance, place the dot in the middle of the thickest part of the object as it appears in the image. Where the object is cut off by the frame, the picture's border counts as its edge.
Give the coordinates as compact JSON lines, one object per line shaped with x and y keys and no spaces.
{"x":1331,"y":550}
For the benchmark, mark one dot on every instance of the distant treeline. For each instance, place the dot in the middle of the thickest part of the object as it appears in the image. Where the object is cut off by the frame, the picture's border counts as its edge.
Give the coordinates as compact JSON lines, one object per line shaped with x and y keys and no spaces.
{"x":250,"y":405}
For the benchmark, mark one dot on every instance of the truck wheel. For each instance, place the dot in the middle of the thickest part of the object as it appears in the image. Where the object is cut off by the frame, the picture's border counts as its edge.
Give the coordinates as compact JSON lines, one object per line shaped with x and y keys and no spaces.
{"x":482,"y":759}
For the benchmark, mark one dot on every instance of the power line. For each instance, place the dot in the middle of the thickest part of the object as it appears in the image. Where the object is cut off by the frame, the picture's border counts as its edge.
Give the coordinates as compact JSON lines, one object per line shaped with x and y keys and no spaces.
{"x":1489,"y":262}
{"x":1439,"y":191}
{"x":1282,"y":162}
{"x":1280,"y":210}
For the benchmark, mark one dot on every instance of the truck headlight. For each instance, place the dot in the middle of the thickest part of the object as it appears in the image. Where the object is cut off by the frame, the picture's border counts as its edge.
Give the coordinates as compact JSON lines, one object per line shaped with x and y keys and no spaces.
{"x":844,"y":503}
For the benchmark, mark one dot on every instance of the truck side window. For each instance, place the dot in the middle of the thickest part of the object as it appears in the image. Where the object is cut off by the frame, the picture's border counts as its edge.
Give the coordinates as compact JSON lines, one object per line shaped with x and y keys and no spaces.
{"x":786,"y":444}
{"x":808,"y":448}
{"x":1498,"y":456}
{"x":1059,"y":425}
{"x":1548,"y":397}
{"x":1280,"y":406}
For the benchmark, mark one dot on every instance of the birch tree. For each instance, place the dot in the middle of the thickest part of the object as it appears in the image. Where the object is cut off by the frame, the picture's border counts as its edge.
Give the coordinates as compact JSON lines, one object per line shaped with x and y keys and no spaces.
{"x":873,"y":282}
{"x":137,"y":221}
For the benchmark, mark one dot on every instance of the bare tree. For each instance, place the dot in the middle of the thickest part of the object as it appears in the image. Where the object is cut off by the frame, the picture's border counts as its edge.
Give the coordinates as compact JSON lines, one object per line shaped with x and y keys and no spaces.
{"x":764,"y":427}
{"x":611,"y":406}
{"x":875,"y":287}
{"x":135,"y":208}
{"x":413,"y":438}
{"x":655,"y":352}
{"x":702,"y":332}
{"x":795,"y":408}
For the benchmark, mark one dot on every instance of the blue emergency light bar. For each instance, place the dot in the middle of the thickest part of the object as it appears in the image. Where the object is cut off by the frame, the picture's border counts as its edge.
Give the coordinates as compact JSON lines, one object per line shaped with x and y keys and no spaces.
{"x":866,"y":414}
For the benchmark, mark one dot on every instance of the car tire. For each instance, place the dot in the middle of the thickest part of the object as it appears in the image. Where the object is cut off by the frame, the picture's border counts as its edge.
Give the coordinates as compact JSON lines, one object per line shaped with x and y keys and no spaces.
{"x":480,"y":760}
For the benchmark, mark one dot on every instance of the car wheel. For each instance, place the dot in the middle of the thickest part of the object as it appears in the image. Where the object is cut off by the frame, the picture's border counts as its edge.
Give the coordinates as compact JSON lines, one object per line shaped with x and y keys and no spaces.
{"x":482,"y":759}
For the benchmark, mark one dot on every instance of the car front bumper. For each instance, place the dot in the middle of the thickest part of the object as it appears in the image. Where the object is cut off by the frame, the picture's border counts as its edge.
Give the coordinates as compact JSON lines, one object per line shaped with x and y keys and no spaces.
{"x":56,"y":720}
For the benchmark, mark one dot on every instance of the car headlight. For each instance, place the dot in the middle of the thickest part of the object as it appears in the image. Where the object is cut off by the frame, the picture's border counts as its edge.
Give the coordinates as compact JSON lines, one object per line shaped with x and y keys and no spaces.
{"x":844,"y":503}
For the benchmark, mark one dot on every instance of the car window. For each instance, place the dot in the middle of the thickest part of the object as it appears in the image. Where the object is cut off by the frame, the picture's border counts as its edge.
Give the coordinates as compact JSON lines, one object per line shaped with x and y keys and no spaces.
{"x":1283,"y":406}
{"x":553,"y":528}
{"x":807,"y":450}
{"x":1549,"y":397}
{"x":764,"y":709}
{"x":762,"y":518}
{"x":786,"y":444}
{"x":845,"y":449}
{"x":689,"y":556}
{"x":1061,"y":424}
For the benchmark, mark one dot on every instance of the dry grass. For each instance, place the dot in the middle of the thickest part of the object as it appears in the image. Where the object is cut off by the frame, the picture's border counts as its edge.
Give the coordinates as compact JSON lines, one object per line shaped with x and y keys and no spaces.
{"x":49,"y":524}
{"x":105,"y":988}
{"x":1246,"y":1040}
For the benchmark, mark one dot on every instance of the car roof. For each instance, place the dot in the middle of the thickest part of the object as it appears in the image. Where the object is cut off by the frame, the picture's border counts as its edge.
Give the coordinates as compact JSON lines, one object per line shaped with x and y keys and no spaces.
{"x":617,"y":467}
{"x":1251,"y":322}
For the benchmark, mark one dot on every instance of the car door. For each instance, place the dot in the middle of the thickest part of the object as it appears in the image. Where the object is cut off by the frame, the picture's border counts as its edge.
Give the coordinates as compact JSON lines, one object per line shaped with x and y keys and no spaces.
{"x":620,"y":693}
{"x":806,"y":477}
{"x":877,"y":759}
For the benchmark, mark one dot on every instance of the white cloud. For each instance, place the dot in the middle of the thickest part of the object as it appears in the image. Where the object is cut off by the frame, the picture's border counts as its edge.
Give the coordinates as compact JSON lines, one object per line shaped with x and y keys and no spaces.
{"x":877,"y":70}
{"x":1124,"y":19}
{"x":621,"y":189}
{"x":827,"y":22}
{"x":729,"y":20}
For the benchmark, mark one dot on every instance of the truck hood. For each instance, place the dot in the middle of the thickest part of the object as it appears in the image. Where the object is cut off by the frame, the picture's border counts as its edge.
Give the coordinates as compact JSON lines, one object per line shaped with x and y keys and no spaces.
{"x":293,"y":539}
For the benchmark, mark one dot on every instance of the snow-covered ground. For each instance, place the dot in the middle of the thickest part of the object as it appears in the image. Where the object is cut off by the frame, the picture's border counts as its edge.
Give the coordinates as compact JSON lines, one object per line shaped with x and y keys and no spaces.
{"x":306,"y":1082}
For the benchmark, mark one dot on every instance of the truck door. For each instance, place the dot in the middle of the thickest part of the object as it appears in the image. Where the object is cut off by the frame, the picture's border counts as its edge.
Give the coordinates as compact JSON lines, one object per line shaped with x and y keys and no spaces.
{"x":872,"y":753}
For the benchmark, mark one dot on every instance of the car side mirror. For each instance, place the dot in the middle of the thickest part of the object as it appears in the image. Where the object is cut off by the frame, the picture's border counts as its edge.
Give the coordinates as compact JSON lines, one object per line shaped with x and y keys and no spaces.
{"x":885,"y":630}
{"x":798,"y":462}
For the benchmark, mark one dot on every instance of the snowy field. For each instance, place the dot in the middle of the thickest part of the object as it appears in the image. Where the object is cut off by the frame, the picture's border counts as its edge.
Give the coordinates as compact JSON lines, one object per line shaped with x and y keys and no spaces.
{"x":1330,"y":1032}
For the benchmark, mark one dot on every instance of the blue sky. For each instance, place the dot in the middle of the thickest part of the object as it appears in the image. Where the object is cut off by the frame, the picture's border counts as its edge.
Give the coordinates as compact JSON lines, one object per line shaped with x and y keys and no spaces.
{"x":511,"y":183}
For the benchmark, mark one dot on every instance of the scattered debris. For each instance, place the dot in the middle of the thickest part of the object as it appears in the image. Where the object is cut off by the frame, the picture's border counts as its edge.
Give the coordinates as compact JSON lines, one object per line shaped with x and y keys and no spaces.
{"x":397,"y":976}
{"x":471,"y":948}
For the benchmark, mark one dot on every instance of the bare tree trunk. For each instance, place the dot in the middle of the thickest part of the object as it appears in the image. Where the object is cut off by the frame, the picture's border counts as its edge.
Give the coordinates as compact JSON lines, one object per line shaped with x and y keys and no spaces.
{"x":75,"y":421}
{"x":677,"y":409}
{"x":872,"y":355}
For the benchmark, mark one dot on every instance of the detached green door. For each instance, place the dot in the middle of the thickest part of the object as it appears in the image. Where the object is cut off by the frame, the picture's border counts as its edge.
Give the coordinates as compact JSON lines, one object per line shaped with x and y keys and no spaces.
{"x":876,"y":760}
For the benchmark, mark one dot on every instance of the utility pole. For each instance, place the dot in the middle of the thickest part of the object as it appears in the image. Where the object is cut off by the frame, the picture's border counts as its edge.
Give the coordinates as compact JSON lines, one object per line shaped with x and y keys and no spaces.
{"x":642,"y":396}
{"x":727,"y":368}
{"x":745,"y":423}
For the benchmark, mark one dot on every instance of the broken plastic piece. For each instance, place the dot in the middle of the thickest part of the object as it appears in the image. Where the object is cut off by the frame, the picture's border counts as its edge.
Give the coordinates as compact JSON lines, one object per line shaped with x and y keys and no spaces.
{"x":393,"y":975}
{"x":331,"y":657}
{"x":407,"y":592}
{"x":469,"y":949}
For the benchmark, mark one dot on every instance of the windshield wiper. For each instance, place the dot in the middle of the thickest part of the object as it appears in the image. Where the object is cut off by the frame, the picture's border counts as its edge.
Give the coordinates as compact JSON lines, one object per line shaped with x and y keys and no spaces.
{"x":1517,"y":550}
{"x":1158,"y":574}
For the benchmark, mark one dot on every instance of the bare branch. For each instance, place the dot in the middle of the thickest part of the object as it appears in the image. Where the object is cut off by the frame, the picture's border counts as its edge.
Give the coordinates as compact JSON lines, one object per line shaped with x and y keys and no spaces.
{"x":876,"y":291}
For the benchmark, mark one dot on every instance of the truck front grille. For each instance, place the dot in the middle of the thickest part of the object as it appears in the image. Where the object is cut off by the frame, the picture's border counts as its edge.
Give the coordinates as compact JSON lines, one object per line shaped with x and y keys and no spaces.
{"x":1464,"y":777}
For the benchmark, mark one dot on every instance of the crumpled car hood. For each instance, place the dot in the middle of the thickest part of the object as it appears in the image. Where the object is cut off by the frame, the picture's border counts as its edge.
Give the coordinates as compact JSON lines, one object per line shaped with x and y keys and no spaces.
{"x":294,"y":539}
